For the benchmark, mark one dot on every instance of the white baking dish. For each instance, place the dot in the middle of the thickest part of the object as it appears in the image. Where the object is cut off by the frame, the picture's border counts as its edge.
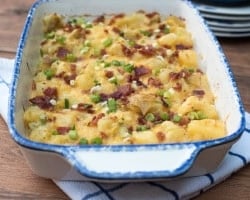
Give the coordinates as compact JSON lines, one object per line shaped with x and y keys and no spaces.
{"x":131,"y":162}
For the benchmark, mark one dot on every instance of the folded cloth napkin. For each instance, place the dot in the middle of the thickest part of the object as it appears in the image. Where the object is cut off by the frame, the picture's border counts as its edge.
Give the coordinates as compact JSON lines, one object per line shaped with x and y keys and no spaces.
{"x":185,"y":188}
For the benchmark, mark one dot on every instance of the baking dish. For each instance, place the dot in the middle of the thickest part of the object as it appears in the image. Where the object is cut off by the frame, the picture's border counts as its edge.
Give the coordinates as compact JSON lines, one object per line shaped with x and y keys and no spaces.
{"x":125,"y":162}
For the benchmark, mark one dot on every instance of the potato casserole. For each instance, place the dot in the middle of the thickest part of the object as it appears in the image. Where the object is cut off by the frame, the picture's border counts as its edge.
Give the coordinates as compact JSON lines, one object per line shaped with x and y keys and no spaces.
{"x":120,"y":79}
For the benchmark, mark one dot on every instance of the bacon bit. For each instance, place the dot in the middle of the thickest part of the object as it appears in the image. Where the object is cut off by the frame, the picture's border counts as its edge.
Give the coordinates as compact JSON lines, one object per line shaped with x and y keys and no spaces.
{"x":99,"y":19}
{"x":68,"y":28}
{"x":173,"y":76}
{"x":141,"y":120}
{"x":103,"y":52}
{"x":117,"y":30}
{"x":48,"y":60}
{"x":127,"y":51}
{"x":33,"y":85}
{"x":44,"y":42}
{"x":112,"y":20}
{"x":109,"y":74}
{"x":141,"y":71}
{"x":182,"y":47}
{"x":160,"y":136}
{"x":184,"y":121}
{"x":42,"y":102}
{"x":130,"y":129}
{"x":178,"y":87}
{"x":63,"y":130}
{"x":60,"y":75}
{"x":173,"y":57}
{"x":147,"y":50}
{"x":85,"y":107}
{"x":73,"y":67}
{"x":50,"y":93}
{"x":198,"y":92}
{"x":95,"y":119}
{"x":152,"y":14}
{"x":154,"y":82}
{"x":62,"y":52}
{"x":103,"y":135}
{"x":122,"y":91}
{"x":68,"y":78}
{"x":162,"y":27}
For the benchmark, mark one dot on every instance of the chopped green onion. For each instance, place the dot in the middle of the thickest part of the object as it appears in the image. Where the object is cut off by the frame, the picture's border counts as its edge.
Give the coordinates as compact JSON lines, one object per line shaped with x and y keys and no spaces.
{"x":116,"y":62}
{"x":83,"y":141}
{"x":96,"y":140}
{"x":84,"y":50}
{"x":50,"y":35}
{"x":49,"y":73}
{"x":150,"y":117}
{"x":113,"y":80}
{"x":141,"y":128}
{"x":73,"y":134}
{"x":112,"y":105}
{"x":108,"y":42}
{"x":106,"y":64}
{"x":88,"y":25}
{"x":95,"y":98}
{"x":128,"y":67}
{"x":131,"y":43}
{"x":146,"y":33}
{"x":176,"y":118}
{"x":55,"y":132}
{"x":60,"y":39}
{"x":70,"y":57}
{"x":66,"y":103}
{"x":164,"y":116}
{"x":166,"y":30}
{"x":196,"y":115}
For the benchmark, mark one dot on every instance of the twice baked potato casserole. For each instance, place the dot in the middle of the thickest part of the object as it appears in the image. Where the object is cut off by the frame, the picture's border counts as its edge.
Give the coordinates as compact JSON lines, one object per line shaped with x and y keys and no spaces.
{"x":120,"y":79}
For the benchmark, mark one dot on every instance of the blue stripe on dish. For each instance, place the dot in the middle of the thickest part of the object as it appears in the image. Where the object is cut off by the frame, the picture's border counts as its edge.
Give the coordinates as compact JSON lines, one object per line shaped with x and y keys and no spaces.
{"x":162,"y":187}
{"x":244,"y":160}
{"x":211,"y":178}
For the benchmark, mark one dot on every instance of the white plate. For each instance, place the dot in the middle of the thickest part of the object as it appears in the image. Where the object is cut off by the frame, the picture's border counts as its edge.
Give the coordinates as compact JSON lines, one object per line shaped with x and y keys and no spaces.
{"x":226,"y":17}
{"x":233,"y":10}
{"x":229,"y":24}
{"x":230,"y":34}
{"x":228,"y":29}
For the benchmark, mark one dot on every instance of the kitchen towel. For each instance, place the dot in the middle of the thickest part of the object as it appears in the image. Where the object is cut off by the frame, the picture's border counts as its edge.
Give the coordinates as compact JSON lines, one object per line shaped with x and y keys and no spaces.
{"x":185,"y":188}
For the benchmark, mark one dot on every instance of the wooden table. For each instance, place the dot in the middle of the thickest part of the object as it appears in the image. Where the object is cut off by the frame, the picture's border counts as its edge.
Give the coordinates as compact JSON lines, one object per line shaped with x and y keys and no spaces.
{"x":17,"y":181}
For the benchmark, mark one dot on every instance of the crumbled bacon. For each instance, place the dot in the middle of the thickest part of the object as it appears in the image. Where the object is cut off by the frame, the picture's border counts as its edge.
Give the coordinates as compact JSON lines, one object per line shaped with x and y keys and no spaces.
{"x":50,"y":92}
{"x":103,"y":135}
{"x":122,"y":91}
{"x":62,"y":52}
{"x":160,"y":136}
{"x":184,"y":121}
{"x":113,"y":19}
{"x":147,"y":50}
{"x":95,"y":119}
{"x":177,"y":87}
{"x":198,"y":92}
{"x":127,"y":51}
{"x":154,"y":82}
{"x":174,"y":76}
{"x":141,"y":71}
{"x":63,"y":129}
{"x":68,"y":78}
{"x":182,"y":47}
{"x":152,"y":14}
{"x":83,"y":107}
{"x":42,"y":102}
{"x":99,"y":19}
{"x":109,"y":74}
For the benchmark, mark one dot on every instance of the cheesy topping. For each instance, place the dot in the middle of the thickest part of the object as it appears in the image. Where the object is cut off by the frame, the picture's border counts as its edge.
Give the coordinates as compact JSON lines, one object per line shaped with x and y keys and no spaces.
{"x":121,"y":79}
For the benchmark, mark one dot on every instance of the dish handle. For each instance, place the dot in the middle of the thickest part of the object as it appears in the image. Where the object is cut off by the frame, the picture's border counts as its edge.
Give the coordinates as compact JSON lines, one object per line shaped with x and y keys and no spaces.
{"x":133,"y":163}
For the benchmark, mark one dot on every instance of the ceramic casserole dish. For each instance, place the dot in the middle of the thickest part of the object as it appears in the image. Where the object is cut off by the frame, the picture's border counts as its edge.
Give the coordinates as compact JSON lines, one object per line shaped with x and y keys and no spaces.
{"x":125,"y":162}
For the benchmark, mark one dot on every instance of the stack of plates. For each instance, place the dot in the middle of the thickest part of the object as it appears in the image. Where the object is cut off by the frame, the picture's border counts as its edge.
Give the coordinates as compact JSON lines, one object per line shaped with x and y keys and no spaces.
{"x":226,"y":21}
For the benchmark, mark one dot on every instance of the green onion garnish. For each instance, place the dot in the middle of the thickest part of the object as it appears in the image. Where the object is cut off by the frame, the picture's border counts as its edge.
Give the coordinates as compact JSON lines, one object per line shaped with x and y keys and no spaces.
{"x":66,"y":103}
{"x":49,"y":73}
{"x":108,"y":42}
{"x":112,"y":105}
{"x":83,"y":141}
{"x":95,"y":98}
{"x":96,"y":140}
{"x":73,"y":134}
{"x":176,"y":118}
{"x":150,"y":117}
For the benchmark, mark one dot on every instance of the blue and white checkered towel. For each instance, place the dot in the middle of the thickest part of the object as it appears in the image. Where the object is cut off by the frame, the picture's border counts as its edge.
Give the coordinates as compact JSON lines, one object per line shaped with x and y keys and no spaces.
{"x":186,"y":188}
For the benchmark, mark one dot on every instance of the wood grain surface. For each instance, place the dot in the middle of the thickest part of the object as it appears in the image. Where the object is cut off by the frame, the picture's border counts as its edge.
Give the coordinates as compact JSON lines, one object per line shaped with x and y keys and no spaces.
{"x":17,"y":181}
